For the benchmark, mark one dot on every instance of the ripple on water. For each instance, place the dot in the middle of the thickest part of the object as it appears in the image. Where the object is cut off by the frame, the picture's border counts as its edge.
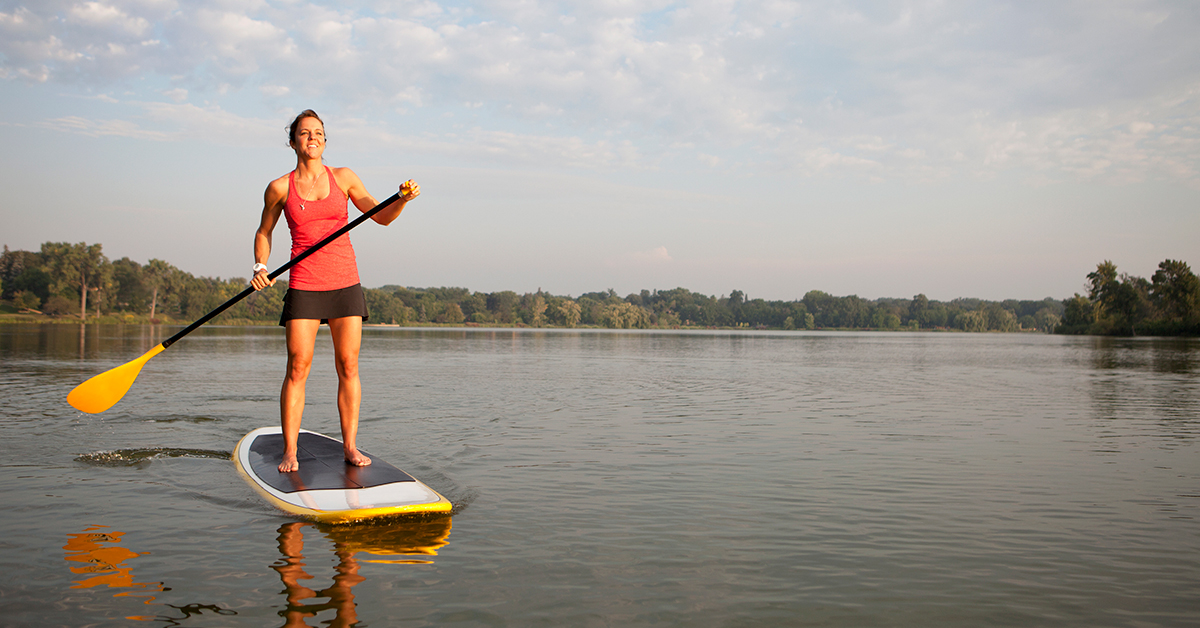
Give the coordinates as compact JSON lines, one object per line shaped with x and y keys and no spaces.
{"x":143,"y":456}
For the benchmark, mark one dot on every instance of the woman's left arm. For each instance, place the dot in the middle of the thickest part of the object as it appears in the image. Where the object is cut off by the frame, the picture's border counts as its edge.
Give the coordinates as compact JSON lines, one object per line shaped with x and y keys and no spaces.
{"x":357,"y":193}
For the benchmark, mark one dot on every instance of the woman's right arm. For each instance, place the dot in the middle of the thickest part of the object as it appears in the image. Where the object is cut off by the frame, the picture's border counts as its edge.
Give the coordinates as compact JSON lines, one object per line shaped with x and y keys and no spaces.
{"x":273,"y":202}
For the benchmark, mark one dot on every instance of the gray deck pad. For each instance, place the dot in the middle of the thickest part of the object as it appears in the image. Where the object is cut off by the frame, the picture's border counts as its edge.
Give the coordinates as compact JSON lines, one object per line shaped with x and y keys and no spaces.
{"x":322,"y":466}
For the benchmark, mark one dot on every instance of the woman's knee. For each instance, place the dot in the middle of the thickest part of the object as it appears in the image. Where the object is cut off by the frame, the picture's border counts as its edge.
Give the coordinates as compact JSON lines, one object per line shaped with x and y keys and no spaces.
{"x":298,"y":367}
{"x":347,"y":366}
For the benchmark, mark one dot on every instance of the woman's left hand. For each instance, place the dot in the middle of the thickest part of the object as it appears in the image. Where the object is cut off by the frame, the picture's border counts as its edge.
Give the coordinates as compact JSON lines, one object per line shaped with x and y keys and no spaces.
{"x":409,"y":190}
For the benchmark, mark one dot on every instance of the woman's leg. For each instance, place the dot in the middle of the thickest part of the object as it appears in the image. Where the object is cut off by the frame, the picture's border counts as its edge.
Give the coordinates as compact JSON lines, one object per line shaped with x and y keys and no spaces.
{"x":347,"y":339}
{"x":301,"y":337}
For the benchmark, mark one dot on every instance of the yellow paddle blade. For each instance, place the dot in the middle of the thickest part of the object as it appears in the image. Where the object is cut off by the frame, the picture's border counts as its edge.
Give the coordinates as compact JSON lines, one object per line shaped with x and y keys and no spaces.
{"x":106,"y":389}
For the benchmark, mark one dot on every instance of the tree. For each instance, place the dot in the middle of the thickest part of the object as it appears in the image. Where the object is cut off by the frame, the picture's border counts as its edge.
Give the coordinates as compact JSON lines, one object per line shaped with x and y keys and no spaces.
{"x":918,"y":308}
{"x":1000,"y":318}
{"x":881,"y":318}
{"x":1132,"y":303}
{"x":850,"y":312}
{"x":474,"y":307}
{"x":927,"y":314}
{"x":624,"y":316}
{"x":386,"y":307}
{"x":1119,"y":301}
{"x":818,"y":303}
{"x":1046,"y":320}
{"x":1079,"y":314}
{"x":972,"y":320}
{"x":129,"y":293}
{"x":154,"y":276}
{"x":1175,"y":291}
{"x":57,"y":305}
{"x":1103,"y":284}
{"x":570,"y":313}
{"x":537,"y":310}
{"x":451,"y":313}
{"x":734,"y":305}
{"x":23,"y":273}
{"x":26,"y":300}
{"x":503,"y":305}
{"x":1121,"y":304}
{"x":77,"y":266}
{"x":17,"y":268}
{"x":103,"y":286}
{"x":428,"y":307}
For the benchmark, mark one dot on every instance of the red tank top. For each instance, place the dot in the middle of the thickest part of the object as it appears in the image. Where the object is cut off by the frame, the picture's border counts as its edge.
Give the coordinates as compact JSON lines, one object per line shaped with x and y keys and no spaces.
{"x":333,"y":267}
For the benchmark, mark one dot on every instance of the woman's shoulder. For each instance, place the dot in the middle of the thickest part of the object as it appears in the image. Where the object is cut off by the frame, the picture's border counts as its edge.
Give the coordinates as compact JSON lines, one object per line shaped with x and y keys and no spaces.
{"x":342,"y":174}
{"x":346,"y":179}
{"x":281,"y":184}
{"x":278,"y":189}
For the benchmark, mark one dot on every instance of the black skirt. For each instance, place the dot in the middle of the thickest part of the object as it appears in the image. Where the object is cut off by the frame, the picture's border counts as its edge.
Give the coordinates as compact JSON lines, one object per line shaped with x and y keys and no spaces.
{"x":324,"y":304}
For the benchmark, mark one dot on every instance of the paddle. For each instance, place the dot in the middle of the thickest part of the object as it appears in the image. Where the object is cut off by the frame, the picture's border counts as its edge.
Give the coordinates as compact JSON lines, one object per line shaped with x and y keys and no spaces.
{"x":106,"y":389}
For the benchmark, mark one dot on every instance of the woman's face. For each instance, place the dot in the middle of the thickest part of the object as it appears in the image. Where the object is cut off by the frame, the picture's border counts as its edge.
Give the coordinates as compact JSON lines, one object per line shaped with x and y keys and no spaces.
{"x":310,"y":138}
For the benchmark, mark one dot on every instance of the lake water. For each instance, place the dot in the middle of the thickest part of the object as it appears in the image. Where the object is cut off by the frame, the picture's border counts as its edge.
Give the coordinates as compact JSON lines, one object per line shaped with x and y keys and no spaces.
{"x":618,"y":479}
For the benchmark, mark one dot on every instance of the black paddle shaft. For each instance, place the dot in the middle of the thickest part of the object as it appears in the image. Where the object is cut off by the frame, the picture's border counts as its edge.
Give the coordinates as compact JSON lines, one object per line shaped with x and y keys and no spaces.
{"x":279,"y":271}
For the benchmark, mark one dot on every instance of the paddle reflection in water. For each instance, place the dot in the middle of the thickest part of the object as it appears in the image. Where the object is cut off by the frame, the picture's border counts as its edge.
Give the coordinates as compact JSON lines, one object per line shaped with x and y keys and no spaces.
{"x":98,"y":549}
{"x":408,"y":540}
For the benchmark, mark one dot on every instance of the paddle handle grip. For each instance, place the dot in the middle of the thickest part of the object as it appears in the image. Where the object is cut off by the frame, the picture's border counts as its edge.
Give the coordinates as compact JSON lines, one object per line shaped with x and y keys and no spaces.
{"x":279,"y":271}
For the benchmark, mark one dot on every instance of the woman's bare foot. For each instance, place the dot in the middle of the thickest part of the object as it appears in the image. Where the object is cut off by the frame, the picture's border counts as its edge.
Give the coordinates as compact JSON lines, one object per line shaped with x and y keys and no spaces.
{"x":357,"y":459}
{"x":289,"y":464}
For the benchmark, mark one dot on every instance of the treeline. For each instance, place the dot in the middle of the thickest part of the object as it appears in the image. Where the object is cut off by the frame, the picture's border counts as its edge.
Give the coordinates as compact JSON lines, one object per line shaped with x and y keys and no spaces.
{"x":1119,"y":304}
{"x":78,"y":281}
{"x":683,"y":308}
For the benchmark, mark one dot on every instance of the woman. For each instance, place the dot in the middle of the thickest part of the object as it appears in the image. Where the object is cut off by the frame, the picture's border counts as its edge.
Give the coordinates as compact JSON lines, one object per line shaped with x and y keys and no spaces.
{"x":324,"y":288}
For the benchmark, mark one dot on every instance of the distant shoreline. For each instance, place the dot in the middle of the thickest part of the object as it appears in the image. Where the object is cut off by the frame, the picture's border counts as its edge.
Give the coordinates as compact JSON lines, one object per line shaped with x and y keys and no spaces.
{"x":108,"y":319}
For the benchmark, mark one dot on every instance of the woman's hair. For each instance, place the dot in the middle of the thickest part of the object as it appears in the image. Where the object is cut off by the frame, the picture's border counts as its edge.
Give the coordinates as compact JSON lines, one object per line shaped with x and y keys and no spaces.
{"x":307,"y":113}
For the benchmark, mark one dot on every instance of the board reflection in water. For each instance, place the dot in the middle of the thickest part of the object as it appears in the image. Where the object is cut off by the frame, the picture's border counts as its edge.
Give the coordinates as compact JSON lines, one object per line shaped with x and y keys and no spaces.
{"x":407,"y":542}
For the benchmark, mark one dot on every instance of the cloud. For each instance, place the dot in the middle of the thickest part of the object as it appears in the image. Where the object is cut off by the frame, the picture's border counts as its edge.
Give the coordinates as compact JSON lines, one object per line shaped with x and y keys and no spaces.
{"x":656,"y":255}
{"x":101,"y":128}
{"x":167,"y":122}
{"x":893,"y":90}
{"x":642,"y":259}
{"x":178,"y":121}
{"x":110,"y":19}
{"x":275,"y":91}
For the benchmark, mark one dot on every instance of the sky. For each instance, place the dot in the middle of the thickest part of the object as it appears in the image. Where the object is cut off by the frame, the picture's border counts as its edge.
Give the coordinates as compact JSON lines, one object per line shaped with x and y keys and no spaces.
{"x":979,"y":149}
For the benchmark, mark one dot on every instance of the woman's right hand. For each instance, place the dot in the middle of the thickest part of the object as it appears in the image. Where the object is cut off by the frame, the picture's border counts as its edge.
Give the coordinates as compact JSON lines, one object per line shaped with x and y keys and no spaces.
{"x":260,"y":280}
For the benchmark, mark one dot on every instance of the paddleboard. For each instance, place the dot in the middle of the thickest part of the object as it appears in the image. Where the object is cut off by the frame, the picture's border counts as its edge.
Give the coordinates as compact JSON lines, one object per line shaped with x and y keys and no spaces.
{"x":327,"y":488}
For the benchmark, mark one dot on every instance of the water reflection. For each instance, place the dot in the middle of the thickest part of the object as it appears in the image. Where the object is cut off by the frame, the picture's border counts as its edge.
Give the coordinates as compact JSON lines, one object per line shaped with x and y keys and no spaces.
{"x":408,"y":542}
{"x":98,"y":550}
{"x":1144,"y":386}
{"x":98,"y":554}
{"x":1157,"y":355}
{"x":1175,"y":356}
{"x":79,"y":341}
{"x":109,"y":343}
